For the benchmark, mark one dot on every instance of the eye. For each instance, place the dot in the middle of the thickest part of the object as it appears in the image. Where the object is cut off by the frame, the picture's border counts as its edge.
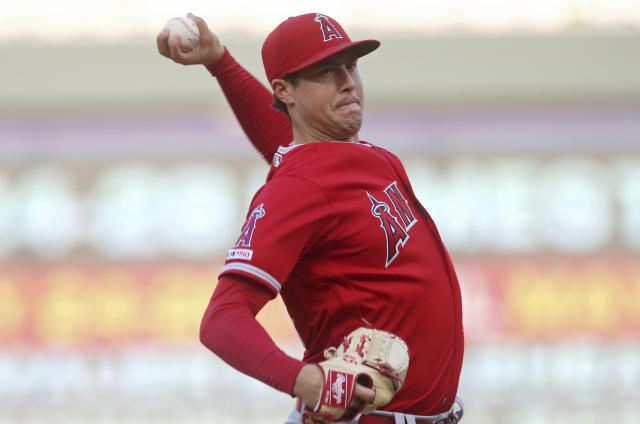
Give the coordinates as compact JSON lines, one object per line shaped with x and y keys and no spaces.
{"x":352,"y":65}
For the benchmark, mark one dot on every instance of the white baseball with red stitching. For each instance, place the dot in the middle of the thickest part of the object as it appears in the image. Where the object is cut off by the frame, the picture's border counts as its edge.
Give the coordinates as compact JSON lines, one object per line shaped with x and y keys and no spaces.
{"x":187,"y":29}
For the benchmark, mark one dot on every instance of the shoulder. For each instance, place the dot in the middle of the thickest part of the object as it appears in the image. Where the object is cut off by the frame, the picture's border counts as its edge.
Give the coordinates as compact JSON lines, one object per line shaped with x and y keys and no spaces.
{"x":292,"y":179}
{"x":309,"y":160}
{"x":332,"y":166}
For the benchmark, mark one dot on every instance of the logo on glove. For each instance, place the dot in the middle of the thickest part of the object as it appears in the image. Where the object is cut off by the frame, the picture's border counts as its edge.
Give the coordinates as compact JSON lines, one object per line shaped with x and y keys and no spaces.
{"x":339,"y":384}
{"x":376,"y":359}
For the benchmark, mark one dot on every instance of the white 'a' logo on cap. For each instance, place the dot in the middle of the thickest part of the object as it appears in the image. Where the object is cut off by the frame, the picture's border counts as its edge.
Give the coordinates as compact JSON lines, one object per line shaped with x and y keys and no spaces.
{"x":329,"y":30}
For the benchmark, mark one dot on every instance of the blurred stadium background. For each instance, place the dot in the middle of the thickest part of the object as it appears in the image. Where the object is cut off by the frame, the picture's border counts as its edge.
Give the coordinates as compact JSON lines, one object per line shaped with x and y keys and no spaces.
{"x":124,"y":179}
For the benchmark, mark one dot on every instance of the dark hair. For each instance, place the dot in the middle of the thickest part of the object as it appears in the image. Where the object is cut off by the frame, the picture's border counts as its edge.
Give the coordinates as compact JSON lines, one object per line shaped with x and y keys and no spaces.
{"x":279,"y":104}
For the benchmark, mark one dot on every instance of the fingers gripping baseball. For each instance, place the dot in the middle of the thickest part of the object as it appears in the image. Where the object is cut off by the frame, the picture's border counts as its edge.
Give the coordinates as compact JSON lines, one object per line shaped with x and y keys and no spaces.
{"x":208,"y":50}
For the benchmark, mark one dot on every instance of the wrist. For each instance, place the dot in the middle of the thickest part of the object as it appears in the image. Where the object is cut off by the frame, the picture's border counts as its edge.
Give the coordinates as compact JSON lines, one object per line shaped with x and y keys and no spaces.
{"x":218,"y":65}
{"x":217,"y":55}
{"x":309,"y":385}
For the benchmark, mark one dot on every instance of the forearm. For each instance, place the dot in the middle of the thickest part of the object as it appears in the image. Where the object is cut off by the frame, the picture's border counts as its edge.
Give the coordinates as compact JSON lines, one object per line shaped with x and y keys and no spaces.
{"x":230,"y":330}
{"x":251,"y":103}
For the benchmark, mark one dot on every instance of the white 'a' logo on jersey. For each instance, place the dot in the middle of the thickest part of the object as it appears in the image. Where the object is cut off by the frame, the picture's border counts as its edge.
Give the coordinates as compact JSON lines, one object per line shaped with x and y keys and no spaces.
{"x":396,"y":230}
{"x":329,"y":30}
{"x":247,"y":231}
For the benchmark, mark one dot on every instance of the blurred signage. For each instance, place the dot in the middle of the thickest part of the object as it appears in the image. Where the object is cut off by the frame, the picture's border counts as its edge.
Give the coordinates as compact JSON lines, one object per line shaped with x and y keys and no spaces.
{"x":101,"y":303}
{"x":195,"y":209}
{"x":551,"y":297}
{"x":88,"y":304}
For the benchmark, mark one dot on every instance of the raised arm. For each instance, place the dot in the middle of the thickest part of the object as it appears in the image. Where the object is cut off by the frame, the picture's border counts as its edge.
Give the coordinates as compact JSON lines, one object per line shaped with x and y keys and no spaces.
{"x":266,"y":127}
{"x":250,"y":101}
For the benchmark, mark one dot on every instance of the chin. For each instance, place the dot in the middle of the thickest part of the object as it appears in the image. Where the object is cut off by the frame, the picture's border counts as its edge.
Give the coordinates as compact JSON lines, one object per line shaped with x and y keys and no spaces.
{"x":354,"y":127}
{"x":347,"y":134}
{"x":347,"y":127}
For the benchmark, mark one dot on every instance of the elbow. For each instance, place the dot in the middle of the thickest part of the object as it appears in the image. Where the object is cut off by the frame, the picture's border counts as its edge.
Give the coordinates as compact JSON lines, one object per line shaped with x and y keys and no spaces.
{"x":204,"y":337}
{"x":209,"y":329}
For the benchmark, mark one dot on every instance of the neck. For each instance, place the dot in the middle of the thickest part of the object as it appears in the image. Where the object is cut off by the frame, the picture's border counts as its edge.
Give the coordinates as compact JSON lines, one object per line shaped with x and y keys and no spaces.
{"x":303,"y":134}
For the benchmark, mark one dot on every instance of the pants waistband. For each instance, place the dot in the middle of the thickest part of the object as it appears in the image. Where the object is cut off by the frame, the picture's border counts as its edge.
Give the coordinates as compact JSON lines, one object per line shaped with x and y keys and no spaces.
{"x":452,"y":416}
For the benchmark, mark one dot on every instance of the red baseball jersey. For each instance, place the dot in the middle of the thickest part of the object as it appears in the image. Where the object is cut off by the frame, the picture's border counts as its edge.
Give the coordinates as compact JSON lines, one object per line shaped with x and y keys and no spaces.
{"x":338,"y":232}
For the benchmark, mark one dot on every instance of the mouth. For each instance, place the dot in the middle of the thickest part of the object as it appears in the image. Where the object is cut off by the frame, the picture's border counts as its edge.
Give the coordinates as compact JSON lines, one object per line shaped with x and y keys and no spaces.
{"x":348,"y":103}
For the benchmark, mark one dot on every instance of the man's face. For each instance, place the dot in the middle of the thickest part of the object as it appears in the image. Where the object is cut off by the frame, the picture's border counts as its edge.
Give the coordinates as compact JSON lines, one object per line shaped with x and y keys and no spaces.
{"x":328,"y":98}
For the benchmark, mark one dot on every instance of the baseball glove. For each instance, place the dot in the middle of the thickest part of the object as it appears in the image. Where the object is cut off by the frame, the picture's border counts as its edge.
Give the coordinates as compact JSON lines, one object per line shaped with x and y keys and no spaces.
{"x":373,"y":358}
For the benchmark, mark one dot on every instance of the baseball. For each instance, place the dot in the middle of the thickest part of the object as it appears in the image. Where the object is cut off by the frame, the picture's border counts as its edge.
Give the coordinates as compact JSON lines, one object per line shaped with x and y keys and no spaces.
{"x":187,"y":29}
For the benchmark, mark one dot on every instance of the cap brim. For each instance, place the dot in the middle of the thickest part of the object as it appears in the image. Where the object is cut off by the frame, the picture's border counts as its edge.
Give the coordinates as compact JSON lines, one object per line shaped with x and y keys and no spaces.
{"x":360,"y":47}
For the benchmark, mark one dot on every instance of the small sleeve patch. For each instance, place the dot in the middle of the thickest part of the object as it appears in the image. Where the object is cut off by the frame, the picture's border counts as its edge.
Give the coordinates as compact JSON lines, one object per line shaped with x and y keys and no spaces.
{"x":244,"y":254}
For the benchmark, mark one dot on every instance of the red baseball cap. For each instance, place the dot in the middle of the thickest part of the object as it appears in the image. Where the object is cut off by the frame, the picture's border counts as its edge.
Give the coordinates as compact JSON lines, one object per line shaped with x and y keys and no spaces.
{"x":303,"y":40}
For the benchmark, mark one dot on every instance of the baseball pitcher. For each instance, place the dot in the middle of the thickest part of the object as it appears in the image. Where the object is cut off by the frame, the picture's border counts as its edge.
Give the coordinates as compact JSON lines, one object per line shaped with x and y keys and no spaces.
{"x":338,"y":233}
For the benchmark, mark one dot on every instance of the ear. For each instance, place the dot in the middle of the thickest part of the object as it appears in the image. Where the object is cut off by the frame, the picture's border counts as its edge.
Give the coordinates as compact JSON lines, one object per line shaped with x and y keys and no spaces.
{"x":283,"y":90}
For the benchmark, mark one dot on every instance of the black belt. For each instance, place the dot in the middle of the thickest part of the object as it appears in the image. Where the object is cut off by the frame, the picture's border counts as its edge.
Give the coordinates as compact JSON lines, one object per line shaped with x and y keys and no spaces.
{"x":452,"y":416}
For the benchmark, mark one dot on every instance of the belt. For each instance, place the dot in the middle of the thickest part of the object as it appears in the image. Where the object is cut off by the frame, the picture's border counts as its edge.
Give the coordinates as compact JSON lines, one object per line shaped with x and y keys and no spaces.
{"x":452,"y":416}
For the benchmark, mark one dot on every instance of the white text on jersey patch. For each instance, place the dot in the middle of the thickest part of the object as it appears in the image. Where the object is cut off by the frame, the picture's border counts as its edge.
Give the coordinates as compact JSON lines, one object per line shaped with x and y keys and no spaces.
{"x":244,"y":254}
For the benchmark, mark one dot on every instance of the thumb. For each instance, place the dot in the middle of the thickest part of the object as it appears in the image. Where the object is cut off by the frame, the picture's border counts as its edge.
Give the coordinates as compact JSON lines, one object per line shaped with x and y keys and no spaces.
{"x":209,"y":49}
{"x":200,"y":23}
{"x":365,"y":394}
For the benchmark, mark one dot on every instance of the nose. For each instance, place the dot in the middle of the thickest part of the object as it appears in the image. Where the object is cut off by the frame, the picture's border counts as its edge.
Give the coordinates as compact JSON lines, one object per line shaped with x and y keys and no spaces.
{"x":345,"y":79}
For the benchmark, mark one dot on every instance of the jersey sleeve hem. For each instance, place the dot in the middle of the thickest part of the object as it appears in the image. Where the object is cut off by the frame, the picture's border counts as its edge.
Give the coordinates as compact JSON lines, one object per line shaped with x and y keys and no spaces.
{"x":223,"y":64}
{"x":254,"y":273}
